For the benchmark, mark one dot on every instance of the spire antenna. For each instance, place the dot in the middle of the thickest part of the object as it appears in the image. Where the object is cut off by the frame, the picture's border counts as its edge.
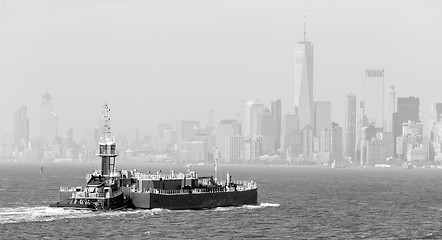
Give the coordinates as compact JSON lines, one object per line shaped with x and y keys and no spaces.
{"x":304,"y":28}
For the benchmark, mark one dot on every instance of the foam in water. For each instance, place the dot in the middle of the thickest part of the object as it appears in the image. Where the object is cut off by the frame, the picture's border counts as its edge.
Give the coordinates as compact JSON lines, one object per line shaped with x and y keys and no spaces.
{"x":261,"y":205}
{"x":39,"y":214}
{"x":45,"y":214}
{"x":258,"y":206}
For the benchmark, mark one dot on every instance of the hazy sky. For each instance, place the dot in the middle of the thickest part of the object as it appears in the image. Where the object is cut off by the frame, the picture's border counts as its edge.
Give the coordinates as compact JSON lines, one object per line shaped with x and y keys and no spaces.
{"x":155,"y":61}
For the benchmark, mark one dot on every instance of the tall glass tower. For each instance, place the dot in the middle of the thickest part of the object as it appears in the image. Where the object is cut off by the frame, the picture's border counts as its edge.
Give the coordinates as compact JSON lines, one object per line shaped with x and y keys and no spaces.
{"x":49,"y":122}
{"x":304,"y":82}
{"x":350,"y":127}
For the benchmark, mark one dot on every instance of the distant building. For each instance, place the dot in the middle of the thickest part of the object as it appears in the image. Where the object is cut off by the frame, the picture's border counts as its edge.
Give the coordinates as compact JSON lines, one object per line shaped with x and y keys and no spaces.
{"x":336,"y":142}
{"x":368,"y":134}
{"x":186,"y":129}
{"x":410,"y":139}
{"x":6,"y":146}
{"x":291,"y":137}
{"x":388,"y":140}
{"x":350,"y":127}
{"x":227,"y":128}
{"x":235,"y":148}
{"x":245,"y":116}
{"x":304,"y":82}
{"x":325,"y":140}
{"x":375,"y":152}
{"x":276,"y":114}
{"x":435,"y":132}
{"x":361,"y":123}
{"x":322,"y":117}
{"x":192,"y":151}
{"x":256,"y":112}
{"x":161,"y":129}
{"x":266,"y":128}
{"x":407,"y":110}
{"x":21,"y":128}
{"x":307,"y":143}
{"x":49,"y":119}
{"x":374,"y":96}
{"x":391,"y":109}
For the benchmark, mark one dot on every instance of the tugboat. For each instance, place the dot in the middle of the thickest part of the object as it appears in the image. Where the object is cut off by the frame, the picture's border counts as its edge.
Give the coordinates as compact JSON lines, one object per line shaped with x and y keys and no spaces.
{"x":103,"y":190}
{"x":108,"y":189}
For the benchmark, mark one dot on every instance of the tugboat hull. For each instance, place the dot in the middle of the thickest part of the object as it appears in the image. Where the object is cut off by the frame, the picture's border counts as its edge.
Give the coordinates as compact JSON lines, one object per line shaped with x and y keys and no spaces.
{"x":115,"y":203}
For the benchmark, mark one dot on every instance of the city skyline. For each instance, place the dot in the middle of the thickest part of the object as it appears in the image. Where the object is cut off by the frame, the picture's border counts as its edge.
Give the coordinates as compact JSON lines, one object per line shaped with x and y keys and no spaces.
{"x":78,"y":88}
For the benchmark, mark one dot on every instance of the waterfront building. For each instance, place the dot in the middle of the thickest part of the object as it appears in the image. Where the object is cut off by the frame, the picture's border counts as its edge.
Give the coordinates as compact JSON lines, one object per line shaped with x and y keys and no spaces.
{"x":361,"y":122}
{"x":21,"y":128}
{"x":436,"y":112}
{"x":276,"y":114}
{"x":322,"y":117}
{"x":186,"y":129}
{"x":235,"y":148}
{"x":265,"y":128}
{"x":307,"y":143}
{"x":411,"y":138}
{"x":374,"y":96}
{"x":162,"y":127}
{"x":256,"y":111}
{"x":388,"y":140}
{"x":227,"y":128}
{"x":435,"y":132}
{"x":391,"y":108}
{"x":245,"y":116}
{"x":325,"y":140}
{"x":49,"y":119}
{"x":407,"y":110}
{"x":368,"y":133}
{"x":292,"y":136}
{"x":304,"y":82}
{"x":350,"y":127}
{"x":336,"y":142}
{"x":375,"y":151}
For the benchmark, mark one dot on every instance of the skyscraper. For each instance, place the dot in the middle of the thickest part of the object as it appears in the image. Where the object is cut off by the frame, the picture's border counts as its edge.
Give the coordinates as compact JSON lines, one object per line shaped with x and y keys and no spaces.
{"x":391,"y":108}
{"x":292,"y":137}
{"x":276,"y":114}
{"x":407,"y":110}
{"x":436,"y":112}
{"x":21,"y":128}
{"x":266,"y":130}
{"x":374,"y":96}
{"x":361,"y":122}
{"x":255,"y":110}
{"x":49,"y":121}
{"x":304,"y":82}
{"x":350,"y":126}
{"x":227,"y":128}
{"x":322,"y":118}
{"x":245,"y":117}
{"x":336,"y":142}
{"x":187,"y":129}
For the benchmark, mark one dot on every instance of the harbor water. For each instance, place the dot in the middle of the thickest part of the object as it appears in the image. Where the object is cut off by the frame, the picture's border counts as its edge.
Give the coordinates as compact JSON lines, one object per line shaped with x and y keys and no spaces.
{"x":295,"y":202}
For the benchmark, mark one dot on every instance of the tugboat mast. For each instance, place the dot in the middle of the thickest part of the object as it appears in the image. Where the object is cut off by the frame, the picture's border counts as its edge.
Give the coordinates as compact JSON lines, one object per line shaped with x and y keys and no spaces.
{"x":107,"y":144}
{"x":216,"y":164}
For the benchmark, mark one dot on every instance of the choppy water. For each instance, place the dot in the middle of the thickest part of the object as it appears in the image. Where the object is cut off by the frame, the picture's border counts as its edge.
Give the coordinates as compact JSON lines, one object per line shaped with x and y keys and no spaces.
{"x":296,"y":202}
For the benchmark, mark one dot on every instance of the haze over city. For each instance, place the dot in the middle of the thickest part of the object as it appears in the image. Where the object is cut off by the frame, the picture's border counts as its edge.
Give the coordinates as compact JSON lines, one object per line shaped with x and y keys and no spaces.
{"x":158,"y":60}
